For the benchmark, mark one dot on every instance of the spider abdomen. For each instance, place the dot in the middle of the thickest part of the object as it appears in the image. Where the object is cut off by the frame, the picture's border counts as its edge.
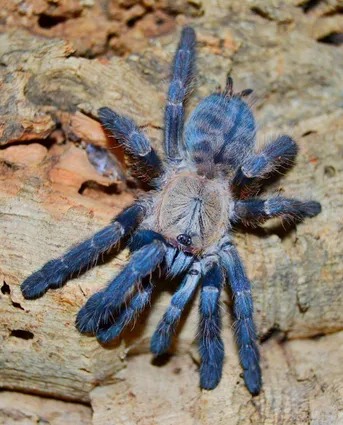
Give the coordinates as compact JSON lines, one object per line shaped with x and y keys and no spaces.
{"x":193,"y":212}
{"x":219,"y":134}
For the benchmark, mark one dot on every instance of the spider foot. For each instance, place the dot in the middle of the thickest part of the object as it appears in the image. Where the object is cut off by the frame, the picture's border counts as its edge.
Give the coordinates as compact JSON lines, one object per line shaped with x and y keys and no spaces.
{"x":253,"y":379}
{"x":35,"y":286}
{"x":91,"y":314}
{"x":210,"y":375}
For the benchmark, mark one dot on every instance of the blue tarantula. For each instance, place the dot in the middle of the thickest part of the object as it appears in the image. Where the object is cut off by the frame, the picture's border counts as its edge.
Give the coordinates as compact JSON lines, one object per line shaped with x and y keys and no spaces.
{"x":183,"y":226}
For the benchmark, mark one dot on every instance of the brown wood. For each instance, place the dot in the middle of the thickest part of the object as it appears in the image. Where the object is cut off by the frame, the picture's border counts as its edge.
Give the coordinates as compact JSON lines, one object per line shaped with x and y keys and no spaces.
{"x":51,"y":197}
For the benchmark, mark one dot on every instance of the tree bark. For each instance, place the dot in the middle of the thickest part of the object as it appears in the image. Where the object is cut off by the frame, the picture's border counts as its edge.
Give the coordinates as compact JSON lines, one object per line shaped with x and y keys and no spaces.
{"x":51,"y":197}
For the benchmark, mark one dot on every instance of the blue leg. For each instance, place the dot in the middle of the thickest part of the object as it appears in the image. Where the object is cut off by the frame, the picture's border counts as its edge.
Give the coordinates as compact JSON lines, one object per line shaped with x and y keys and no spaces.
{"x":56,"y":272}
{"x":128,"y":314}
{"x":143,"y":237}
{"x":211,"y":346}
{"x":139,"y":301}
{"x":133,"y":140}
{"x":278,"y":156}
{"x":99,"y":310}
{"x":161,"y":339}
{"x":179,"y":88}
{"x":256,"y":211}
{"x":243,"y":310}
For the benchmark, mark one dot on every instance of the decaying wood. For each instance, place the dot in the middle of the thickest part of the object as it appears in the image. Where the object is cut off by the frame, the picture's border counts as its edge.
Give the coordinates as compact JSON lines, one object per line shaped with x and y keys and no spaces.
{"x":23,"y":409}
{"x":51,"y":197}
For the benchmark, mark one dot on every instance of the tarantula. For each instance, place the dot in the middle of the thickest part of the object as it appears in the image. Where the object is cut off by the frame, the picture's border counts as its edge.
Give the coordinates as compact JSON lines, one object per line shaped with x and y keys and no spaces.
{"x":183,"y":226}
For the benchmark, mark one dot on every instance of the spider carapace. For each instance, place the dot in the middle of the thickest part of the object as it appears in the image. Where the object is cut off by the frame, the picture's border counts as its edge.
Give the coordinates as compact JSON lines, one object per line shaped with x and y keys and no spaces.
{"x":206,"y":183}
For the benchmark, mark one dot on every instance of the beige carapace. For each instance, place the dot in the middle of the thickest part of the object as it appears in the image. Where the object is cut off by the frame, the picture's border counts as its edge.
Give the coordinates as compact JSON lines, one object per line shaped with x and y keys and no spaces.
{"x":193,"y":206}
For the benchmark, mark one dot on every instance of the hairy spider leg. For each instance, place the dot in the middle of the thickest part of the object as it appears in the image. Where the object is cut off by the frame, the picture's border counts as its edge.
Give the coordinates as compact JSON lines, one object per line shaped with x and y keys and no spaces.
{"x":179,"y":88}
{"x":161,"y":338}
{"x":56,"y":272}
{"x":133,"y":140}
{"x":243,"y":311}
{"x":128,"y":314}
{"x":177,"y":262}
{"x":143,"y":237}
{"x":100,"y":308}
{"x":254,"y":211}
{"x":277,"y":156}
{"x":211,"y":347}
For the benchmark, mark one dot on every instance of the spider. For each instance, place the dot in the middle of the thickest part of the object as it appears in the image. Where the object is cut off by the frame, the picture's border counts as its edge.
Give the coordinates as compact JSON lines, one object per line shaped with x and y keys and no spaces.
{"x":183,"y":226}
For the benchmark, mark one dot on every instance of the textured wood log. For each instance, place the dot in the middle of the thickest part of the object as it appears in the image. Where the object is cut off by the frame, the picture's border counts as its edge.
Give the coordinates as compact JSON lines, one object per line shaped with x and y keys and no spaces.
{"x":51,"y":197}
{"x":303,"y":384}
{"x":24,"y":409}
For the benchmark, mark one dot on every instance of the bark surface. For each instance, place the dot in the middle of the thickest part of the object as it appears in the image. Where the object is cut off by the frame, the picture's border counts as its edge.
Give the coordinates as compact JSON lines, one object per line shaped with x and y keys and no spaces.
{"x":60,"y":62}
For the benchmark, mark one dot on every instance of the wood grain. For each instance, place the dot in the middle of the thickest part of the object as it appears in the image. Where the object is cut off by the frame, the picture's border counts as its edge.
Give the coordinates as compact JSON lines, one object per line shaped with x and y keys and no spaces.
{"x":51,"y":198}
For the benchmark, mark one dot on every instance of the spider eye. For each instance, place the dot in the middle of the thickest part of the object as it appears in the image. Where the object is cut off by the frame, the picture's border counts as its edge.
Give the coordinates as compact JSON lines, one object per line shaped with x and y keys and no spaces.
{"x":184,"y":239}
